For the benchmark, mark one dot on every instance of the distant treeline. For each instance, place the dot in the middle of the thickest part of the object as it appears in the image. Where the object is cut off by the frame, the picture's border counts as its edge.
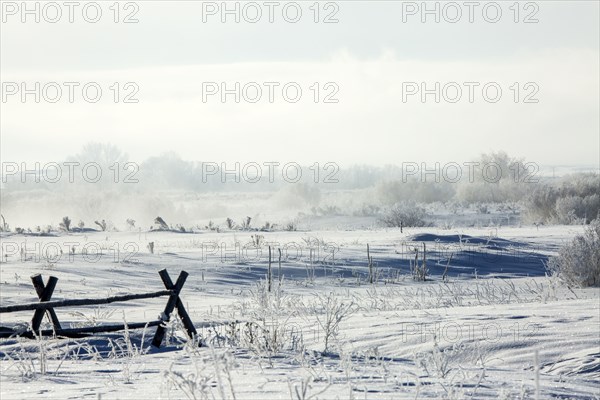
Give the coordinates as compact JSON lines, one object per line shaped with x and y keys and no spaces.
{"x":493,"y":178}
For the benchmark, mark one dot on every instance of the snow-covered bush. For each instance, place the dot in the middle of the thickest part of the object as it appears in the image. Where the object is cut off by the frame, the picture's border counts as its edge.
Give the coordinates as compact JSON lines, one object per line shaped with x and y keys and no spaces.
{"x":496,"y":178}
{"x":330,"y":311}
{"x":541,"y":204}
{"x":578,"y":262}
{"x":404,"y":214}
{"x":568,"y":209}
{"x":574,"y":201}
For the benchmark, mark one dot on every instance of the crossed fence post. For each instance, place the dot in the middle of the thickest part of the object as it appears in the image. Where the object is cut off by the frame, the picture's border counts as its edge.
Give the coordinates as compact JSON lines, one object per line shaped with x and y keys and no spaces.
{"x":44,"y":293}
{"x":174,"y":302}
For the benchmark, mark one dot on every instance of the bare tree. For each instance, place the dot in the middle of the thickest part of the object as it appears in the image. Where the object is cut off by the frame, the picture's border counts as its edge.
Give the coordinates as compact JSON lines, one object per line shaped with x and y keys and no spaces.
{"x":66,"y":224}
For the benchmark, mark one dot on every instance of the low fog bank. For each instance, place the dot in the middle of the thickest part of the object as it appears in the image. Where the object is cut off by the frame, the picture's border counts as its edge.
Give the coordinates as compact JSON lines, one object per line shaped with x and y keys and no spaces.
{"x":101,"y":183}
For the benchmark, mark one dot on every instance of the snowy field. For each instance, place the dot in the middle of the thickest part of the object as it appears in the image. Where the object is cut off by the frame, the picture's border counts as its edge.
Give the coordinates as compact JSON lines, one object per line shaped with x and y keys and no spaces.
{"x":366,"y":200}
{"x":487,"y":322}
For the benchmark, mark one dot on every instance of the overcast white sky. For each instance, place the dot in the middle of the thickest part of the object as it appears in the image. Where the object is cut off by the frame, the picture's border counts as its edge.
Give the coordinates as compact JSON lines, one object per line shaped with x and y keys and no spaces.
{"x":368,"y":54}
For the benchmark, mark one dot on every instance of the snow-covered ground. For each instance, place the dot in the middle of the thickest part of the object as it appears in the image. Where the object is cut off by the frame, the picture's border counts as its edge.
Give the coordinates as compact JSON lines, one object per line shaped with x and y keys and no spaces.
{"x":495,"y":327}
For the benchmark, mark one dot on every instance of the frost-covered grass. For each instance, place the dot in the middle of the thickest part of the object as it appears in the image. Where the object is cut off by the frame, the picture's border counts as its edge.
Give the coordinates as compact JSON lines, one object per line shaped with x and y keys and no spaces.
{"x":323,"y":331}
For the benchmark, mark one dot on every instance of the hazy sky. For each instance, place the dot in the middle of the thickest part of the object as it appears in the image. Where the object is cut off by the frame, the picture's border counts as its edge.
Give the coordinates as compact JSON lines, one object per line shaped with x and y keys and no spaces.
{"x":371,"y":59}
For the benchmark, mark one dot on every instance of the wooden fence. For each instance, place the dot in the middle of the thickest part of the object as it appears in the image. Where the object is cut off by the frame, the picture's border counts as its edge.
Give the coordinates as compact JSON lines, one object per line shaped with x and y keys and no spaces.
{"x":47,"y":306}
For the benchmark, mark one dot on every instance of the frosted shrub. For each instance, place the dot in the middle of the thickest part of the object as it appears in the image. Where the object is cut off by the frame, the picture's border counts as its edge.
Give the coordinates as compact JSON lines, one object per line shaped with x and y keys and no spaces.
{"x":330,"y":311}
{"x":575,"y":210}
{"x":574,"y":201}
{"x":578,"y":262}
{"x":568,"y":209}
{"x":404,"y":214}
{"x":541,"y":204}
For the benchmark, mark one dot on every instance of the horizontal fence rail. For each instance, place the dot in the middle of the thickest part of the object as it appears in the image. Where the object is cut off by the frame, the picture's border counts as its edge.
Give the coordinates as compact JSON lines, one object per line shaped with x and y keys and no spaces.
{"x":83,"y":302}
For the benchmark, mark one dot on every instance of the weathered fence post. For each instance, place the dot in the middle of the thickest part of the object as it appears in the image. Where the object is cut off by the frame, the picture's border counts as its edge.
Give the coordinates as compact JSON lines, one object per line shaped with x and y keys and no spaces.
{"x":185,"y":317}
{"x":44,"y":294}
{"x":174,"y":301}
